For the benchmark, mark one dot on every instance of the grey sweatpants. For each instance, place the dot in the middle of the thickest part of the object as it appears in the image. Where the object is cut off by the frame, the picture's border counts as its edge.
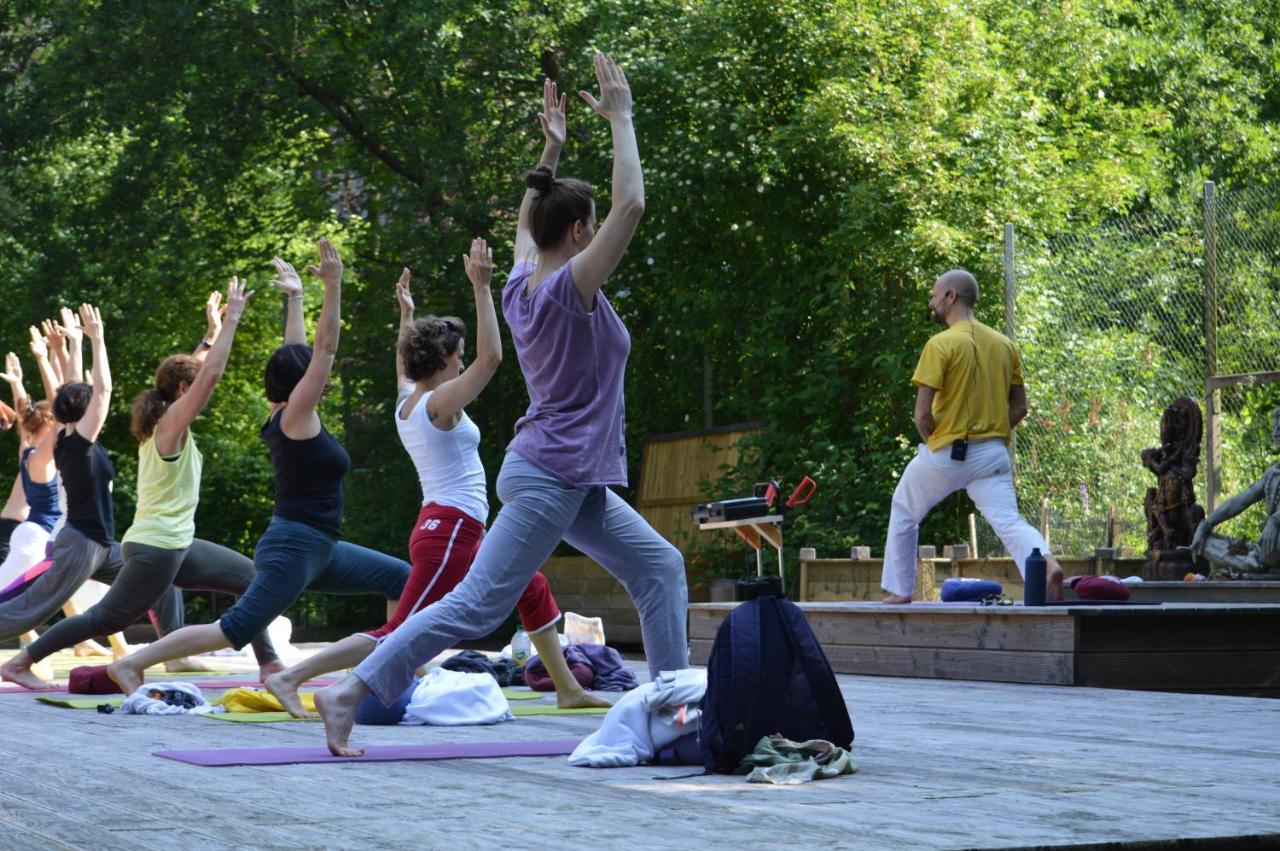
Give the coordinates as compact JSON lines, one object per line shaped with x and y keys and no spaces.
{"x":77,"y":559}
{"x":538,"y":510}
{"x":147,"y":576}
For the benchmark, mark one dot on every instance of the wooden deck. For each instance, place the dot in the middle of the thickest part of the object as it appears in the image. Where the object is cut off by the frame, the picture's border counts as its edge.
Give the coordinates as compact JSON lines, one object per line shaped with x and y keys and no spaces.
{"x":942,"y":764}
{"x":1207,"y":648}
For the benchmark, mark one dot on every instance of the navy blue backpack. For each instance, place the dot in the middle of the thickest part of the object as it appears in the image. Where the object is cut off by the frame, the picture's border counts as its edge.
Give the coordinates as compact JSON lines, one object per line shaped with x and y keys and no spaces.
{"x":767,"y":674}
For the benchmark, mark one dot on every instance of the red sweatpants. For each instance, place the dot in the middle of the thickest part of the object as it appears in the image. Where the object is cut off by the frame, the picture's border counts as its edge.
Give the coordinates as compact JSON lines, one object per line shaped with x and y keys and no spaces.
{"x":443,"y":545}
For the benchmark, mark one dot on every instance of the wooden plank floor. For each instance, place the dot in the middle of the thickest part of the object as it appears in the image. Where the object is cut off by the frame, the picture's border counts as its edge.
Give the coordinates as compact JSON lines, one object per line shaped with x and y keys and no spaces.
{"x":943,"y":764}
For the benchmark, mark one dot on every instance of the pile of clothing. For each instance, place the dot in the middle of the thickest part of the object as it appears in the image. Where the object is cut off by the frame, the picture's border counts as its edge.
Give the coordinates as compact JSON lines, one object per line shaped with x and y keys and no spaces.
{"x":657,"y":716}
{"x":595,"y":666}
{"x":171,"y":698}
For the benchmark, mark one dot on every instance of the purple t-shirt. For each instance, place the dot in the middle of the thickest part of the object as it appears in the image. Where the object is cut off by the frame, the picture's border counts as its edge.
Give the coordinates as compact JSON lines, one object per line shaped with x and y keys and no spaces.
{"x":573,"y":362}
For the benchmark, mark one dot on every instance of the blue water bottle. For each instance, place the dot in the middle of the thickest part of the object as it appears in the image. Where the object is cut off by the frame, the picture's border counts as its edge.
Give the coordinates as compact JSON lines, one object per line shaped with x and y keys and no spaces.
{"x":1033,"y":574}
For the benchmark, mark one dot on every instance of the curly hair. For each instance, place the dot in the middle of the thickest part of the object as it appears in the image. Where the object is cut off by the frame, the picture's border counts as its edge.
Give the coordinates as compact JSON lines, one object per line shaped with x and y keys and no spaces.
{"x":36,"y":416}
{"x":428,"y":343}
{"x":560,"y":202}
{"x":149,"y":405}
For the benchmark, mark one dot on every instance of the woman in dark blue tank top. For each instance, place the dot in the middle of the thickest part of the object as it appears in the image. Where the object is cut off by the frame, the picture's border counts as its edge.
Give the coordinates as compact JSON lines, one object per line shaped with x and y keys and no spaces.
{"x":37,"y":475}
{"x":300,"y":549}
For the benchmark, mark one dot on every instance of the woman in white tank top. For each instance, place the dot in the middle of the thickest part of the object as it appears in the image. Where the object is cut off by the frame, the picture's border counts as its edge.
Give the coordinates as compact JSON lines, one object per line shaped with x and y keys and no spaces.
{"x":433,"y":388}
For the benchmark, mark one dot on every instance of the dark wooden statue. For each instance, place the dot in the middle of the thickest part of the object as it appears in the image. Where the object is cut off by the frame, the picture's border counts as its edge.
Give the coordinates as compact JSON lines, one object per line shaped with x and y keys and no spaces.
{"x":1171,"y":508}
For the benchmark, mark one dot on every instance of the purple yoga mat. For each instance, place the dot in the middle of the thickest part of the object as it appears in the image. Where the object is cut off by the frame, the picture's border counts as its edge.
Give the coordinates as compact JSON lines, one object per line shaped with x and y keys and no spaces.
{"x":373,"y":753}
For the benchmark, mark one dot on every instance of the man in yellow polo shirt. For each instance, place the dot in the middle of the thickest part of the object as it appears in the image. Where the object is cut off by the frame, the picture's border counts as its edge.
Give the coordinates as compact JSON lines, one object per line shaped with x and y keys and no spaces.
{"x":969,"y":396}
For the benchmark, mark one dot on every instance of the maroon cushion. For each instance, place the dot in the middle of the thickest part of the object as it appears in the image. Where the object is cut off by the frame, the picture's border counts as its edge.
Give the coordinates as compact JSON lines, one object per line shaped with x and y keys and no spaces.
{"x":1100,"y":588}
{"x":92,"y":679}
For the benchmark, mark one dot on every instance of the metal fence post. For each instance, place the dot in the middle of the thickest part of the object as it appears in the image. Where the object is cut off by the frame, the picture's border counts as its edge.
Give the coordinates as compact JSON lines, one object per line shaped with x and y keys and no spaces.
{"x":1010,"y":278}
{"x":1213,"y":429}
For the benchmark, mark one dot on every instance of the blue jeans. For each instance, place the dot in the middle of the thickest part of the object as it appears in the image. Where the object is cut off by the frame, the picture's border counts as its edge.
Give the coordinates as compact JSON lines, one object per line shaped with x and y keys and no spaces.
{"x":538,"y":510}
{"x":292,"y":557}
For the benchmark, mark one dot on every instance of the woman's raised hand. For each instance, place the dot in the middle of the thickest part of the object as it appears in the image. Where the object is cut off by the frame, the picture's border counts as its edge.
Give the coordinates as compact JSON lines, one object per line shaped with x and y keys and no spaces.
{"x":552,"y":116}
{"x":615,"y":94}
{"x":91,"y":319}
{"x":12,"y":369}
{"x":237,"y":298}
{"x":39,"y":348}
{"x":403,"y":297}
{"x":286,"y":280}
{"x":213,"y":310}
{"x":70,"y":326}
{"x":479,"y":263}
{"x":330,"y":268}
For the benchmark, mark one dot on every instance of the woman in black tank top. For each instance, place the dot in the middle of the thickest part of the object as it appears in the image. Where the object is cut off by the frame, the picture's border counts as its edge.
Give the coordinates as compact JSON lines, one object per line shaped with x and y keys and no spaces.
{"x":300,"y":548}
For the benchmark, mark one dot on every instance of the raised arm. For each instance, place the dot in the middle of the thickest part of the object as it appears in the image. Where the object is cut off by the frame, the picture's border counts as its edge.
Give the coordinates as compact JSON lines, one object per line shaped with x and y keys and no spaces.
{"x":48,"y":375}
{"x":71,"y":331}
{"x":59,"y":357}
{"x":405,"y":299}
{"x":593,"y":266}
{"x":171,"y":428}
{"x":213,"y":310}
{"x":552,"y":119}
{"x":288,"y":282}
{"x":456,"y":393}
{"x":299,"y":420}
{"x":95,"y":414}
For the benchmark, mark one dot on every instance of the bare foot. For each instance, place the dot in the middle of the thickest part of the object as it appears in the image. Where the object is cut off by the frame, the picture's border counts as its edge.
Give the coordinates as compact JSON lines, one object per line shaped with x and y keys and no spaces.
{"x":580,"y":698}
{"x":896,"y":599}
{"x":337,"y":705}
{"x":44,"y":670}
{"x":90,"y":648}
{"x":125,"y":675}
{"x":266,"y":669}
{"x":18,"y":670}
{"x":186,"y":665}
{"x":286,"y":691}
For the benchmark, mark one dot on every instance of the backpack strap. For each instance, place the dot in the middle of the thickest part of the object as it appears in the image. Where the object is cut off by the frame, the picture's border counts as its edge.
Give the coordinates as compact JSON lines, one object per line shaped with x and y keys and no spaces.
{"x":744,"y":653}
{"x":822,"y":682}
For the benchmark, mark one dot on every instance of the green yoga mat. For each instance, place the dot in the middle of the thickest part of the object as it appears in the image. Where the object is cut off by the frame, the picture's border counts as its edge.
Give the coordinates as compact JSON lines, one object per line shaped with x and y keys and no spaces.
{"x":522,"y":694}
{"x":518,"y":711}
{"x":80,"y":702}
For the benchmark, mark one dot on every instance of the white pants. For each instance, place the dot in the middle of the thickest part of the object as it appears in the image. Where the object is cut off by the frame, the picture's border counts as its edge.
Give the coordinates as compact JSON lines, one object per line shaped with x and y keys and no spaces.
{"x":987,"y":474}
{"x":26,"y":550}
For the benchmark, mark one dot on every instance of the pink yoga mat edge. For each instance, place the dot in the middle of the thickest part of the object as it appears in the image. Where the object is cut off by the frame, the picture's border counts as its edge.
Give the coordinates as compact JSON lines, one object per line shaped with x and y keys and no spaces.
{"x":223,"y":757}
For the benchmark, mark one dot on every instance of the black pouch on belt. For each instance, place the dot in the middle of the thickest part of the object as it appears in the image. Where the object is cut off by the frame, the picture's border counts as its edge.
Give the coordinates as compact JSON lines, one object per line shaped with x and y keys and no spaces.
{"x":959,"y":449}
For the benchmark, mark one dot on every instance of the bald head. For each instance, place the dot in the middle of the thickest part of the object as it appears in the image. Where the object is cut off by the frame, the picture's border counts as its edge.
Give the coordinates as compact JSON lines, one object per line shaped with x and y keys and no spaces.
{"x":964,"y":284}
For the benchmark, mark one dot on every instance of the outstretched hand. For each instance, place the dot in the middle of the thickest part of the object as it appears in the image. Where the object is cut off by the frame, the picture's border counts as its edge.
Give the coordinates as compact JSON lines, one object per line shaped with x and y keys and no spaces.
{"x":403,"y":296}
{"x":39,"y":348}
{"x":286,"y":280}
{"x":70,"y":326}
{"x":12,"y":369}
{"x":213,"y":310}
{"x":91,"y":318}
{"x":615,"y":94}
{"x":552,"y":116}
{"x":237,"y":298}
{"x":479,"y":263}
{"x":330,"y":268}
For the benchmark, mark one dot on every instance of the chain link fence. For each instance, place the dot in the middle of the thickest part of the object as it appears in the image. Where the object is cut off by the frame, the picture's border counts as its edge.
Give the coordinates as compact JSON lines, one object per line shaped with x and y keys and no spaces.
{"x":1116,"y":322}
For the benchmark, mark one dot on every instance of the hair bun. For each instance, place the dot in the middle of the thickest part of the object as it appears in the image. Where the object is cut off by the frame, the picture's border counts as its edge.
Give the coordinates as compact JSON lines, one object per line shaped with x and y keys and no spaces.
{"x":540,"y":179}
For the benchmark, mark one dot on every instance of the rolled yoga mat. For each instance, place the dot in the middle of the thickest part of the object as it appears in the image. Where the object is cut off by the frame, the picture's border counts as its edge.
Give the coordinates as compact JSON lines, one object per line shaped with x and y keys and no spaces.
{"x":373,"y":753}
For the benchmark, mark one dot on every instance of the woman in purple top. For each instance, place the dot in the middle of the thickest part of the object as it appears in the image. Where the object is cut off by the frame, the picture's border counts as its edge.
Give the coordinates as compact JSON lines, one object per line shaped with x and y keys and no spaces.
{"x":569,"y":447}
